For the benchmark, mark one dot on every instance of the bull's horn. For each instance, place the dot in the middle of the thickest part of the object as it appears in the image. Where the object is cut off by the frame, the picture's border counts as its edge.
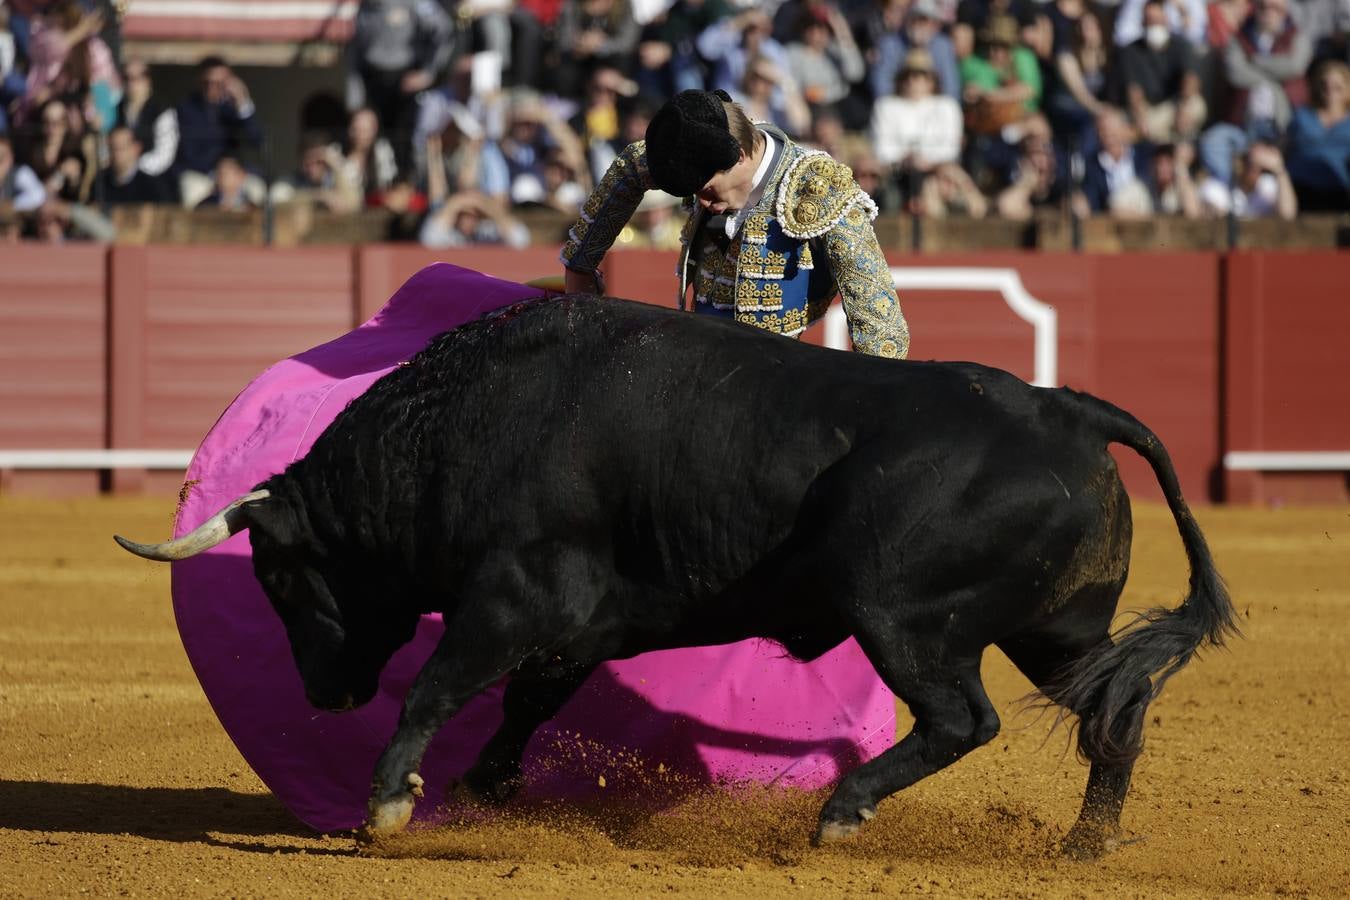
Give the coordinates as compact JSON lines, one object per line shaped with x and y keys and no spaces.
{"x":205,"y":536}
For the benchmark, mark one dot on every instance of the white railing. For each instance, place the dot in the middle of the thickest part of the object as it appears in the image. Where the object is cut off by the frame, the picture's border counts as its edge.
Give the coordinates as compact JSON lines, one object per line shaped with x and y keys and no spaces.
{"x":1006,"y":282}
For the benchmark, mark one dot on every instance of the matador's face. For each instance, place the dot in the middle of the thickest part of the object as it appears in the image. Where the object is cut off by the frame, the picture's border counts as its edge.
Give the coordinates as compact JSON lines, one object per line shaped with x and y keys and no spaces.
{"x":729,"y":188}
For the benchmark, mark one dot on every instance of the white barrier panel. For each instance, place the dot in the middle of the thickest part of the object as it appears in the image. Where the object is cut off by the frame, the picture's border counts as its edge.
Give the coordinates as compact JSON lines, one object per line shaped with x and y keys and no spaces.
{"x":1006,"y":282}
{"x":95,"y":459}
{"x":1287,"y":460}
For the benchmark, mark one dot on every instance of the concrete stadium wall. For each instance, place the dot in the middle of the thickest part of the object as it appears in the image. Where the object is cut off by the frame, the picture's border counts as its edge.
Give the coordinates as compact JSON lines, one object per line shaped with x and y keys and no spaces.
{"x":143,"y":347}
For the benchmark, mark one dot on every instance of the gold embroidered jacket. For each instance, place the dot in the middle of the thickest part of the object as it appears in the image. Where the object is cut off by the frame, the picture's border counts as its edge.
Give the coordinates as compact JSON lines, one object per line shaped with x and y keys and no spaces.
{"x":767,"y":274}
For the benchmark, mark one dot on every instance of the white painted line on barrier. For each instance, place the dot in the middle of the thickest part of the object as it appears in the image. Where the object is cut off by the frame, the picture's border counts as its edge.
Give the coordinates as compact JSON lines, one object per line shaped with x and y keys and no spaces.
{"x":1007,"y":282}
{"x":95,"y":459}
{"x":1287,"y":460}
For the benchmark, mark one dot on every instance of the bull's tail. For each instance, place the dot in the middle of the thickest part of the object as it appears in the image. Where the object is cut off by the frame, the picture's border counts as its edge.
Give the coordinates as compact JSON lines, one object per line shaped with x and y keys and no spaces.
{"x":1109,"y":686}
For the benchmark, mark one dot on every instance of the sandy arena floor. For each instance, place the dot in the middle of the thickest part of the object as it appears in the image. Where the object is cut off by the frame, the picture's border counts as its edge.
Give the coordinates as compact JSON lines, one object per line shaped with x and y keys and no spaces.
{"x":116,"y":778}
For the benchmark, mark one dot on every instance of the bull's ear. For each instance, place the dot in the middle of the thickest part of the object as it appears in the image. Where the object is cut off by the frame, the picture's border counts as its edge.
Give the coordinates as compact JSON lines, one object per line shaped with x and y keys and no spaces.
{"x":274,"y":521}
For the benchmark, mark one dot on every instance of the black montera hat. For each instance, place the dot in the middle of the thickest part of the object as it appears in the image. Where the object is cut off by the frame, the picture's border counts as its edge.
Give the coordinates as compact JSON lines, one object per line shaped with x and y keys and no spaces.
{"x":688,"y":141}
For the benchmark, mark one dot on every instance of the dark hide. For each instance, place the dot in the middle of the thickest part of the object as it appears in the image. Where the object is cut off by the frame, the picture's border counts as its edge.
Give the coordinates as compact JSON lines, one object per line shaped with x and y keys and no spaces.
{"x":585,"y":479}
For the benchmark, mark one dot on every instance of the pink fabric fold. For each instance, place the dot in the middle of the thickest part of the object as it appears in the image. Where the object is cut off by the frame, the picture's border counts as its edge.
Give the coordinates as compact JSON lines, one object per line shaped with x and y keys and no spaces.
{"x":732,"y":713}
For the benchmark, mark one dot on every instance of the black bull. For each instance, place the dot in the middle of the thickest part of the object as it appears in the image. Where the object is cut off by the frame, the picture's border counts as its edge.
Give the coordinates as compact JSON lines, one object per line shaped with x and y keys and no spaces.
{"x":586,"y":479}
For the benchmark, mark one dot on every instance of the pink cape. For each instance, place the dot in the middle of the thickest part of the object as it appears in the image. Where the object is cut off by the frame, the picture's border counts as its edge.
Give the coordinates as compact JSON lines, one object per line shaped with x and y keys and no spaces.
{"x":738,"y":712}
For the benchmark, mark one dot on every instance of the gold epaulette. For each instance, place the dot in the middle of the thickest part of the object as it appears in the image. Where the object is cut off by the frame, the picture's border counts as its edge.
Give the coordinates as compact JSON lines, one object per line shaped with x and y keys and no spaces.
{"x":815,"y":194}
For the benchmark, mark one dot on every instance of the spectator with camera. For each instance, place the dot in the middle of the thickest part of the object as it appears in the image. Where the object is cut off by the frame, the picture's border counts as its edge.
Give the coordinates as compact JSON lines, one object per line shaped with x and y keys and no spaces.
{"x":1261,"y":187}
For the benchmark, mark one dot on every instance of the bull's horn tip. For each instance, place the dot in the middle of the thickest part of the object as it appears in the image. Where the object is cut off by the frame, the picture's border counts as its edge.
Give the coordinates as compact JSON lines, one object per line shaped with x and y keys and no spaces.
{"x":132,"y":546}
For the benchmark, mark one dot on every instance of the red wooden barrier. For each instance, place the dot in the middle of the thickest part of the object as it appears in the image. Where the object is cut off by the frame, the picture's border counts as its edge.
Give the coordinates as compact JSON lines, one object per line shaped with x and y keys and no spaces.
{"x":382,"y":268}
{"x":53,"y":358}
{"x":191,"y":326}
{"x":1287,"y":328}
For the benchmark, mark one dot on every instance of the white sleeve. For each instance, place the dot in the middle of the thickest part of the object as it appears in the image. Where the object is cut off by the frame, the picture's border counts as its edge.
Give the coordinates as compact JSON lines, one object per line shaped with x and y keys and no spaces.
{"x":1129,"y":22}
{"x":29,"y":193}
{"x":946,"y":138}
{"x":157,"y":161}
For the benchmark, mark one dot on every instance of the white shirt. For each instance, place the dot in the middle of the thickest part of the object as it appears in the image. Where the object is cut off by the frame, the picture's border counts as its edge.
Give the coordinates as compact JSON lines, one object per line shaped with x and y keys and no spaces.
{"x":734,"y":222}
{"x":930,"y":127}
{"x":1119,"y":173}
{"x":1130,"y":22}
{"x":1264,"y":201}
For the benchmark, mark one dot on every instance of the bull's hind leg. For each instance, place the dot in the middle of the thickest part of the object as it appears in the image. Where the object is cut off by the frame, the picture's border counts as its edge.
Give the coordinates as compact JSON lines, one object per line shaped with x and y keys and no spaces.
{"x":530,"y":701}
{"x":952,"y":716}
{"x":1044,"y":657}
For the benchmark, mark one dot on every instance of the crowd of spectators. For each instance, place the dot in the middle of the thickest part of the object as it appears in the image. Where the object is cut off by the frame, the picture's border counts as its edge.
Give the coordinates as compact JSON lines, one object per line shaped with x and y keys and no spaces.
{"x":460,"y":113}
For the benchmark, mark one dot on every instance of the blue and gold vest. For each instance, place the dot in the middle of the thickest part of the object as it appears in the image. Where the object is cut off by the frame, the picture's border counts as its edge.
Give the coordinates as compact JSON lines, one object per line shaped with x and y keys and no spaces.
{"x":808,"y":237}
{"x":766,"y":275}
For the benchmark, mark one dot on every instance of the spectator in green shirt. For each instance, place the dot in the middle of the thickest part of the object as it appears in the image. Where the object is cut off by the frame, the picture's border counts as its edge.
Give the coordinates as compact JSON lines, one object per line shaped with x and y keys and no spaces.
{"x":1001,"y":80}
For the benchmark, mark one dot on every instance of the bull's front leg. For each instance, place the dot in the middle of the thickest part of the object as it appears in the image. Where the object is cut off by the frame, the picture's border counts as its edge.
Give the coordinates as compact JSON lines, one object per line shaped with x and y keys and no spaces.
{"x":459,"y":669}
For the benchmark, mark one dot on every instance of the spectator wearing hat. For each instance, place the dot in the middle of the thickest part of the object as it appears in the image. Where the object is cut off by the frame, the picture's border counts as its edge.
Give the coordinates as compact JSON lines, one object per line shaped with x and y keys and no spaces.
{"x":470,"y":219}
{"x":917,"y":135}
{"x":773,"y":230}
{"x":1002,"y":81}
{"x":460,"y":157}
{"x":532,"y":132}
{"x":921,"y":29}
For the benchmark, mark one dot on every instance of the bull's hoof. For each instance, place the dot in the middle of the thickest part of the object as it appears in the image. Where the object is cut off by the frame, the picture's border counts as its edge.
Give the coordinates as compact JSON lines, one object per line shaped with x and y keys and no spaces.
{"x":481,"y":789}
{"x":391,"y":815}
{"x":830,"y":832}
{"x":1086,"y":844}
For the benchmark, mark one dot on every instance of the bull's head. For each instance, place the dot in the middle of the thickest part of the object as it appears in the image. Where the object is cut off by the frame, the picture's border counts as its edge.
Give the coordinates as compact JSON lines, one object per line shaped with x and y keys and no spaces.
{"x":339,"y":641}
